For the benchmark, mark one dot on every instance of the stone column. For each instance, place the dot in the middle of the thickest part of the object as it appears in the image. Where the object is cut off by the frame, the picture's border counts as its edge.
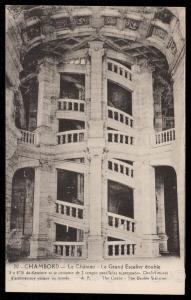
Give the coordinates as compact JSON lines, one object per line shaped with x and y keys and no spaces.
{"x":144,"y":192}
{"x":143,"y":107}
{"x":179,"y":153}
{"x":161,"y":212}
{"x":44,"y":198}
{"x":12,"y":136}
{"x":95,"y":241}
{"x":104,"y":223}
{"x":145,"y":210}
{"x":96,"y":143}
{"x":48,"y":93}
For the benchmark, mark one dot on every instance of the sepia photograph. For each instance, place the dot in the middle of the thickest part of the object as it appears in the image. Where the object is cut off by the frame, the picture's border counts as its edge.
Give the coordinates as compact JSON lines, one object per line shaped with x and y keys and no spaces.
{"x":95,"y":149}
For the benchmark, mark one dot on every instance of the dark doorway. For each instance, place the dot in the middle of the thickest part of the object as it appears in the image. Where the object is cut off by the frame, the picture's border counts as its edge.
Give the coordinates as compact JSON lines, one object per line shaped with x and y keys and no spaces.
{"x":22,"y":207}
{"x":171,"y":208}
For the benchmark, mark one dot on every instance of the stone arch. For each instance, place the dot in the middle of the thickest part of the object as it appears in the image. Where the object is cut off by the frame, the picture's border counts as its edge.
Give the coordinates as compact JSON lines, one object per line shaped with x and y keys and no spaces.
{"x":21,"y":210}
{"x":13,"y":165}
{"x":167,"y":209}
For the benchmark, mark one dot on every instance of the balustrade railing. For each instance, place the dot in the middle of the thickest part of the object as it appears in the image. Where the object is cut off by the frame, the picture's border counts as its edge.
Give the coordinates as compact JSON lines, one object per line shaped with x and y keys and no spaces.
{"x":119,"y":69}
{"x":28,"y":137}
{"x":71,"y":105}
{"x":121,"y":222}
{"x":119,"y":137}
{"x":69,"y":209}
{"x":120,"y":116}
{"x":121,"y":167}
{"x":165,"y":136}
{"x":71,"y":136}
{"x":69,"y":249}
{"x":119,"y":248}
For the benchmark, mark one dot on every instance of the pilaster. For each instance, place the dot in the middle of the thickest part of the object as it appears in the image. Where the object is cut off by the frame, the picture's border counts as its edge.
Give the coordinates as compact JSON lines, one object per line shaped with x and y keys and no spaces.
{"x":95,"y":241}
{"x":44,"y":196}
{"x":145,"y":209}
{"x":48,"y":93}
{"x":96,"y":143}
{"x":142,"y":107}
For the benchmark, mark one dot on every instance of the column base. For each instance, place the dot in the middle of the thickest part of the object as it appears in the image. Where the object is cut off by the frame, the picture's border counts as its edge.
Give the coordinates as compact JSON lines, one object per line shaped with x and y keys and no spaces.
{"x":163,"y":246}
{"x":38,"y":247}
{"x":95,"y":248}
{"x":149,"y":246}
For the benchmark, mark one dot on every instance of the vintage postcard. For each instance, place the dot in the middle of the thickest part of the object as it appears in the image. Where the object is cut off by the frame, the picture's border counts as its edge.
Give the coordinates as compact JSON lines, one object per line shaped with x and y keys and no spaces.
{"x":95,"y":149}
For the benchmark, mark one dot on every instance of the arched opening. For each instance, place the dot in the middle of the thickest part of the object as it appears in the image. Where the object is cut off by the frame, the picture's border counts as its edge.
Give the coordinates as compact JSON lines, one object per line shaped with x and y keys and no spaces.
{"x":167,"y":210}
{"x":22,"y":210}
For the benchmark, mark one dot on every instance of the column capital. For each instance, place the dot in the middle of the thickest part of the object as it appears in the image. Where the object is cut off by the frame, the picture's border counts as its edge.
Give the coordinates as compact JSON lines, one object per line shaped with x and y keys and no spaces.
{"x":46,"y":165}
{"x":143,"y":66}
{"x":96,"y":47}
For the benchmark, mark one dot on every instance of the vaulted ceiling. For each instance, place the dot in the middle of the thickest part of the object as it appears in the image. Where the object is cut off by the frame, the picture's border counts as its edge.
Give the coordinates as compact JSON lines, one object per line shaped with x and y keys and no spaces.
{"x":141,"y":33}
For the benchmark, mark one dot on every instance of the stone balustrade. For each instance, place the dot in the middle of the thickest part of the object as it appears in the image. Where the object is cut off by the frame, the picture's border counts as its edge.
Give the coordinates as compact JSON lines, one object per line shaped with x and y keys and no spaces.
{"x":71,"y":105}
{"x":120,"y":116}
{"x":119,"y":249}
{"x":72,"y":210}
{"x":119,"y":69}
{"x":69,"y":249}
{"x":165,"y":136}
{"x":71,"y":136}
{"x":121,"y":167}
{"x":121,"y":222}
{"x":119,"y":137}
{"x":28,"y":137}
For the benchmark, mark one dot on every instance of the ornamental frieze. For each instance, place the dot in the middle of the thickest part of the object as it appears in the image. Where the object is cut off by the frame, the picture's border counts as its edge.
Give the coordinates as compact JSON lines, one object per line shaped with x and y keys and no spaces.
{"x":156,"y":31}
{"x":172,"y":46}
{"x":82,"y":20}
{"x":110,"y":20}
{"x":62,"y":23}
{"x":132,"y":24}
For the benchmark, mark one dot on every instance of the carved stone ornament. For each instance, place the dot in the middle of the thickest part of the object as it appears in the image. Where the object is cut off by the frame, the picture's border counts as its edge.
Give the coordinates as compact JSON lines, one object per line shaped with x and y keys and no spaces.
{"x":172,"y":46}
{"x":146,"y":65}
{"x":110,"y":20}
{"x":131,"y":24}
{"x":159,"y":32}
{"x":62,"y":23}
{"x":45,"y":165}
{"x":82,"y":20}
